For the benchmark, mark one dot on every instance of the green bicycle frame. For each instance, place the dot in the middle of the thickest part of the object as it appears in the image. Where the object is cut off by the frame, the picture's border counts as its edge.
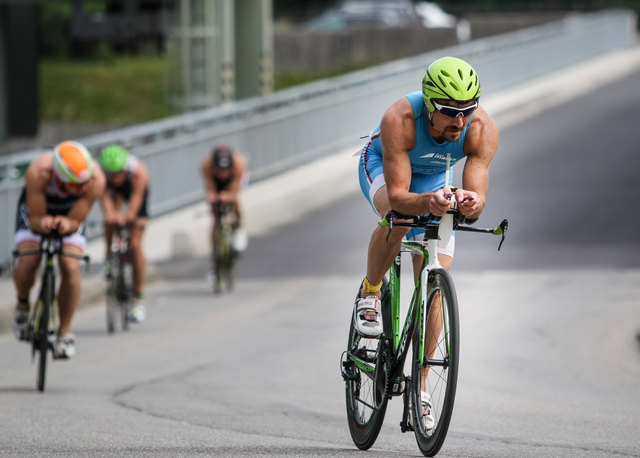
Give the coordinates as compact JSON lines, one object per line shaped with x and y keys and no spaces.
{"x":394,"y":290}
{"x":53,"y":312}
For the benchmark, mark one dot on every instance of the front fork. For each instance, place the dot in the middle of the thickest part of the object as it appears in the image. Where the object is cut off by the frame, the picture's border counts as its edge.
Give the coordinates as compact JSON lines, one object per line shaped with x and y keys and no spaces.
{"x":421,"y":289}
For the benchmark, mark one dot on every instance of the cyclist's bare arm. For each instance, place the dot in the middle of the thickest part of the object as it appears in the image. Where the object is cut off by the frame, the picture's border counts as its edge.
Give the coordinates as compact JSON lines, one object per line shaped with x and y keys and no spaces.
{"x":110,"y":209}
{"x":80,"y":210}
{"x":36,"y":181}
{"x":480,"y":147}
{"x":398,"y":136}
{"x":207,"y":177}
{"x":139,"y":184}
{"x":239,"y":170}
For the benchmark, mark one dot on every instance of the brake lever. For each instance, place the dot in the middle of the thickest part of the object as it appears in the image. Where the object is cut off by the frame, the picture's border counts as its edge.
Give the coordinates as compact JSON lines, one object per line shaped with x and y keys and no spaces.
{"x":387,"y":221}
{"x":501,"y":230}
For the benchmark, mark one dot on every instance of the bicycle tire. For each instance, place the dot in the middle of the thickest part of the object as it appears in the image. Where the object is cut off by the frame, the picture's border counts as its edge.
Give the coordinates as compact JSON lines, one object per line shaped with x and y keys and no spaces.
{"x":41,"y":337}
{"x":224,"y":258}
{"x":112,"y":303}
{"x":442,"y":367}
{"x":219,"y":258}
{"x":124,"y":295}
{"x":231,"y":269}
{"x":366,"y":400}
{"x":113,"y":293}
{"x":218,"y":273}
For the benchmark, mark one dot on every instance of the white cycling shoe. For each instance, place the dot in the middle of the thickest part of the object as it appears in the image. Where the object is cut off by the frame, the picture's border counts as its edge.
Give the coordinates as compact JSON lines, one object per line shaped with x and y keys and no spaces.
{"x":138,"y":312}
{"x":367,"y":317}
{"x":427,"y":413}
{"x":64,"y":346}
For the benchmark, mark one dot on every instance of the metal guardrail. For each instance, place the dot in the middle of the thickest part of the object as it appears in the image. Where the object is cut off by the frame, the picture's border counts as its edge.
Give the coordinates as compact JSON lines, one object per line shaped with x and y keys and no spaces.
{"x":291,"y":127}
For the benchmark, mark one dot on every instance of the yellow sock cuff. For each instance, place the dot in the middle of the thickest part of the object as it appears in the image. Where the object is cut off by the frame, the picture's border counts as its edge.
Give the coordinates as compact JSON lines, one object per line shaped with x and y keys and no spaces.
{"x":369,"y":288}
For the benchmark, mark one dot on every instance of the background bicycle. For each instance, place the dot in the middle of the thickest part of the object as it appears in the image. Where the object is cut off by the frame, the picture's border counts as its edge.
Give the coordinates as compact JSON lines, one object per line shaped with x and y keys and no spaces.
{"x":119,"y":275}
{"x":225,"y":254}
{"x":373,"y":368}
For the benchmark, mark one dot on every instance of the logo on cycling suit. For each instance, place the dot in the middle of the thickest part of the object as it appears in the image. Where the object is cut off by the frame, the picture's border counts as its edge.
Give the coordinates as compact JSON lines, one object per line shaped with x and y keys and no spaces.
{"x":434,"y":156}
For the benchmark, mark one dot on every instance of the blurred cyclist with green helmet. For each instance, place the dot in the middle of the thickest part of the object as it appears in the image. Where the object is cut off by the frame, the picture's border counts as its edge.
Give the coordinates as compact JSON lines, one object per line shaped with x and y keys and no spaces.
{"x":60,"y":188}
{"x":420,"y":137}
{"x":125,"y":203}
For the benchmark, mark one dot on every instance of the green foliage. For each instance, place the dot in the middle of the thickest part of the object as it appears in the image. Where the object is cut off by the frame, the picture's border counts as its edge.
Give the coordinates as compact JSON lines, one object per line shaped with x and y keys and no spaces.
{"x":94,"y":6}
{"x":54,"y":20}
{"x":115,"y":89}
{"x":119,"y":90}
{"x":285,"y":80}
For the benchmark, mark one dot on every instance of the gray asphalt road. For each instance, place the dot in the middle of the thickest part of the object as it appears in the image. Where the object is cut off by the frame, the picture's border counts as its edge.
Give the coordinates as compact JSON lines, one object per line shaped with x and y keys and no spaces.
{"x":549,"y":363}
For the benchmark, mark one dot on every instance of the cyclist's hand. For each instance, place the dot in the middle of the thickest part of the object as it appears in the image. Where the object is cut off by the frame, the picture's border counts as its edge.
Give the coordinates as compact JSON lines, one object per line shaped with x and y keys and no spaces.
{"x":225,"y":197}
{"x":62,"y":224}
{"x":114,"y":218}
{"x":468,"y":202}
{"x":129,"y":221}
{"x":441,"y":201}
{"x":211,"y":197}
{"x":46,"y":224}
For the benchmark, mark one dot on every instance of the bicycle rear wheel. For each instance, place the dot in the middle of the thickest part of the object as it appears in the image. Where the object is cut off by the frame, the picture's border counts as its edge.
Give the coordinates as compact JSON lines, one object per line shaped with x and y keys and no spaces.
{"x":365,"y":388}
{"x":437,"y":375}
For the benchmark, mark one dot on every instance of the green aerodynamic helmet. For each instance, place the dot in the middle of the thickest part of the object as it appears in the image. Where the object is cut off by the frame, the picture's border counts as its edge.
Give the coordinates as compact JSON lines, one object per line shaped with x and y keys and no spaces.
{"x":450,"y":78}
{"x":113,"y":158}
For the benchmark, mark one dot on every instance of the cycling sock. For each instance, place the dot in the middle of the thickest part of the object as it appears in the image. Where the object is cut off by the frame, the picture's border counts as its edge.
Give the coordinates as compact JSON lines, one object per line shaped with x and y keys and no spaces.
{"x":369,"y":288}
{"x":23,"y":301}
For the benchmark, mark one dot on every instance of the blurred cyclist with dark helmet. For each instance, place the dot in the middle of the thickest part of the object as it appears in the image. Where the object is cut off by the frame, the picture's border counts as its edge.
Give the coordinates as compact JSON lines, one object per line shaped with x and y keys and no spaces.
{"x":224,"y":172}
{"x":125,"y":203}
{"x":60,"y":189}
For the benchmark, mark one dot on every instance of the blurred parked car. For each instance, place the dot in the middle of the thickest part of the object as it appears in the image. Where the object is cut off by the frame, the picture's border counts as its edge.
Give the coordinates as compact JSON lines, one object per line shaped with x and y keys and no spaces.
{"x":384,"y":13}
{"x":366,"y":12}
{"x":434,"y":17}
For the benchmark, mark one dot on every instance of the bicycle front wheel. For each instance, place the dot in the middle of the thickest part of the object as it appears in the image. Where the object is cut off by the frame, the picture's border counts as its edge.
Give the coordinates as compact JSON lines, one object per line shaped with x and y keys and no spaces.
{"x":41,"y":342}
{"x":434,"y":373}
{"x":112,"y":306}
{"x":363,"y":372}
{"x":125,"y":292}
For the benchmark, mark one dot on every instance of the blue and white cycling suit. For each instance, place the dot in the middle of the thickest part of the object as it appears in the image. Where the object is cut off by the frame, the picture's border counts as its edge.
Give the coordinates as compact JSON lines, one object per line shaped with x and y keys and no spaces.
{"x":428,"y":161}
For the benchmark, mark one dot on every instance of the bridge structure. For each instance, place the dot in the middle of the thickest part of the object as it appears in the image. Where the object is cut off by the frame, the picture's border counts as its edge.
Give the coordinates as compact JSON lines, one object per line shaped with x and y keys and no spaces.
{"x":289,"y":128}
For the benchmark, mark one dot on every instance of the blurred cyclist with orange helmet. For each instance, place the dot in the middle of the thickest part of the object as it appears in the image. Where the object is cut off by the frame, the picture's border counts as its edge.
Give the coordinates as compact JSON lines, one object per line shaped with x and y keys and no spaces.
{"x":60,"y":189}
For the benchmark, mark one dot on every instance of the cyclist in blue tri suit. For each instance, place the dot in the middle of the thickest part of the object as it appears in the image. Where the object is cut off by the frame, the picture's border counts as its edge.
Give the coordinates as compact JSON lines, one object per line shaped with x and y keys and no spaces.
{"x":404,"y":167}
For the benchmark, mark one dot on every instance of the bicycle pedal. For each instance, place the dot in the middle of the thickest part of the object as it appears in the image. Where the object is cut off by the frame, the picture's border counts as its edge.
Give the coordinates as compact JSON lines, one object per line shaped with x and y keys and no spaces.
{"x":405,"y":428}
{"x":398,"y":386}
{"x":346,"y":375}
